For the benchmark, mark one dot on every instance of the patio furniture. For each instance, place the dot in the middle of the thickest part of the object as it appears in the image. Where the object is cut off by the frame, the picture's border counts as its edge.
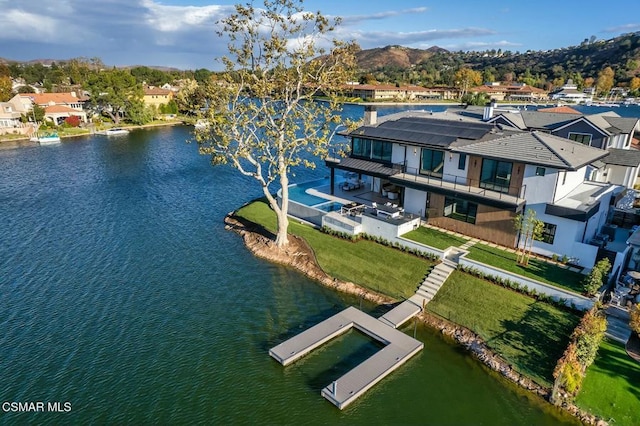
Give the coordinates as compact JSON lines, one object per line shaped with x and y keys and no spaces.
{"x":388,"y":211}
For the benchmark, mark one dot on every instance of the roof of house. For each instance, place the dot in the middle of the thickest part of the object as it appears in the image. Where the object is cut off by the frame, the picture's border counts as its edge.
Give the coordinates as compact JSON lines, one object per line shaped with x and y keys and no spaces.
{"x":560,"y":110}
{"x":624,"y":124}
{"x":53,"y":109}
{"x":536,"y":148}
{"x":51,"y":98}
{"x":149,"y":91}
{"x":622,"y":157}
{"x":418,"y":127}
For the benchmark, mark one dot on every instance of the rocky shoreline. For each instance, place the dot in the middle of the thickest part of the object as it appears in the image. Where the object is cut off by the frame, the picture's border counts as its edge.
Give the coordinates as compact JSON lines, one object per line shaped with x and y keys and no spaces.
{"x":300,"y":255}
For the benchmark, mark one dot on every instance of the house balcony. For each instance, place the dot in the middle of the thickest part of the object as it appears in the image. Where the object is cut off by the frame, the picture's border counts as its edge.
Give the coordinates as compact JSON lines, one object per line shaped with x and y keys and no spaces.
{"x":486,"y":193}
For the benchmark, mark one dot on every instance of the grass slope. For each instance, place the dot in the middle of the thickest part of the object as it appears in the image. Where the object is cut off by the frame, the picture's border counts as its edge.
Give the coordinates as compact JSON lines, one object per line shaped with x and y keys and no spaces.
{"x":369,"y":264}
{"x":530,"y":335}
{"x":434,"y":238}
{"x":611,"y":388}
{"x":538,"y":269}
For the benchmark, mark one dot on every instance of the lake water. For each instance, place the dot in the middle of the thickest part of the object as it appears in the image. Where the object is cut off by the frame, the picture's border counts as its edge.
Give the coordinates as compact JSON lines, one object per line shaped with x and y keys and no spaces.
{"x":122,"y":293}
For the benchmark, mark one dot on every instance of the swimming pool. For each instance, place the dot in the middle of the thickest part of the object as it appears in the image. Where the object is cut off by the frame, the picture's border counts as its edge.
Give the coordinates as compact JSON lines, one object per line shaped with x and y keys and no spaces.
{"x":298,"y":192}
{"x":331,"y":206}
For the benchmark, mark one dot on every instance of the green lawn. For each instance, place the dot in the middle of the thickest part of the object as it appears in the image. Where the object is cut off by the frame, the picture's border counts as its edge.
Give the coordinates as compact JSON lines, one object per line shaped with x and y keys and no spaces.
{"x":538,"y":269}
{"x":434,"y":238}
{"x":611,"y":389}
{"x":369,"y":264}
{"x":530,"y":335}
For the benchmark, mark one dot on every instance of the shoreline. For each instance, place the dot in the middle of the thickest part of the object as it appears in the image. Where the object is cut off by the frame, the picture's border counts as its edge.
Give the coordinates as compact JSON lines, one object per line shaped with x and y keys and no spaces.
{"x":26,"y":142}
{"x":300,"y":256}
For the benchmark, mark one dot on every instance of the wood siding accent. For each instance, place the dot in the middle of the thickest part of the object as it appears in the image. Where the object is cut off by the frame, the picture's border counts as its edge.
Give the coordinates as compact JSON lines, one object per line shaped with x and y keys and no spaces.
{"x":475,"y":167}
{"x":492,"y":224}
{"x":517,"y":176}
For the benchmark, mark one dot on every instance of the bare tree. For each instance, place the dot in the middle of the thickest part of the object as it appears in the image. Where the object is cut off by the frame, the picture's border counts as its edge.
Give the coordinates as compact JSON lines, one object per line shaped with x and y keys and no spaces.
{"x":263,"y":118}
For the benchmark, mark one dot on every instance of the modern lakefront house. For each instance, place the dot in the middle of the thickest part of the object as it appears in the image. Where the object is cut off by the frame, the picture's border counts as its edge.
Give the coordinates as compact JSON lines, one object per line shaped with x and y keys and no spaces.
{"x":475,"y":178}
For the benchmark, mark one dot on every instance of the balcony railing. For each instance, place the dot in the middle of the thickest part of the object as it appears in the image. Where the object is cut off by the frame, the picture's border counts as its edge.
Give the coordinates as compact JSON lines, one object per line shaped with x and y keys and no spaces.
{"x":463,"y":184}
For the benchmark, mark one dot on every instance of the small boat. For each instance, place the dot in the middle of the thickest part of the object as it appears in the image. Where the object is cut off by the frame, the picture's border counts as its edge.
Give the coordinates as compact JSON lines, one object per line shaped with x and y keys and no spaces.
{"x":115,"y":131}
{"x":47,"y":138}
{"x":201,"y":125}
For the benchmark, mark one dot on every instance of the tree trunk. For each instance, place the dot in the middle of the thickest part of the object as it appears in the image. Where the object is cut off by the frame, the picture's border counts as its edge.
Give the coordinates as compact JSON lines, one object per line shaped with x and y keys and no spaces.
{"x":282,"y":239}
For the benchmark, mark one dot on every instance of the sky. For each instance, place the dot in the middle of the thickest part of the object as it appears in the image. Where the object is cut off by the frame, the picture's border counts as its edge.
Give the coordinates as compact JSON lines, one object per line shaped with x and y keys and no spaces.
{"x":182,"y":33}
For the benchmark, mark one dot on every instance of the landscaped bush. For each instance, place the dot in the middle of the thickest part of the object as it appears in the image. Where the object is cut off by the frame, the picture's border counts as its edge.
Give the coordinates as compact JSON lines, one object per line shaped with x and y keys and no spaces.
{"x":596,"y":277}
{"x":634,"y":321}
{"x":72,"y":121}
{"x":579,"y":355}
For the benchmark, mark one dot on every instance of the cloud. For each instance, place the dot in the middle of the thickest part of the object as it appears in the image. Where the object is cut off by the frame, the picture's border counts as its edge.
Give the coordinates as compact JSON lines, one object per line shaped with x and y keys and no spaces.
{"x":481,"y":45}
{"x":627,"y":28}
{"x":382,"y":15}
{"x":369,"y":39}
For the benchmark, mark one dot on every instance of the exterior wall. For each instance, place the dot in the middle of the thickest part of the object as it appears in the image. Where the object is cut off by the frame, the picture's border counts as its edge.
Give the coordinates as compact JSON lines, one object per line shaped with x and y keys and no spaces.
{"x":413,"y":159}
{"x":572,"y":236}
{"x":621,"y":175}
{"x":597,"y":139}
{"x":415,"y":201}
{"x":492,"y":224}
{"x":398,"y":153}
{"x":621,"y":141}
{"x":451,"y":170}
{"x":537,"y":187}
{"x":574,"y":178}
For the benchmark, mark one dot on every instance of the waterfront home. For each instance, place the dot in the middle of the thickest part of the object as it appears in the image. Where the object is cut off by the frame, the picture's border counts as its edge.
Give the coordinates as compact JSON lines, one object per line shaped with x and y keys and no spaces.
{"x":474,"y":178}
{"x":570,"y":93}
{"x":157,"y":96}
{"x":57,"y":106}
{"x":511,"y":92}
{"x":378,"y":92}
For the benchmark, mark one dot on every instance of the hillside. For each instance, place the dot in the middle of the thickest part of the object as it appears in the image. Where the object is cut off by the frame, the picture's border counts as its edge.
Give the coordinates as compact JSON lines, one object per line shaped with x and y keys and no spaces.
{"x":394,"y":57}
{"x":438,"y":66}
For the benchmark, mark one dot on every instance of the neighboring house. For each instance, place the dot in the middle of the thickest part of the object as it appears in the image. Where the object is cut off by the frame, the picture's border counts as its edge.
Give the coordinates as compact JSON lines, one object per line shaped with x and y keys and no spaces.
{"x":570,"y":93}
{"x":620,"y":167}
{"x":605,"y":130}
{"x":511,"y":92}
{"x":156,"y":96}
{"x":57,"y":106}
{"x":10,"y":121}
{"x":474,"y":178}
{"x":9,"y":117}
{"x":374,"y":92}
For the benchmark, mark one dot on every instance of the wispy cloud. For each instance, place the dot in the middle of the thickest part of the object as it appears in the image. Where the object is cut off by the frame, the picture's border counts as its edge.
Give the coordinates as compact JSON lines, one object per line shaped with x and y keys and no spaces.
{"x":368,"y":39}
{"x":382,"y":15}
{"x":627,"y":28}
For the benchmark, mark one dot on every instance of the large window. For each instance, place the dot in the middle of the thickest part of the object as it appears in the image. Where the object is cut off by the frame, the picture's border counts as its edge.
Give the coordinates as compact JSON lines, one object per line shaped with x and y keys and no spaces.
{"x":583,"y":138}
{"x":462,"y":210}
{"x":361,"y":147}
{"x":496,"y":175}
{"x":381,"y":151}
{"x":548,"y":233}
{"x":374,"y":150}
{"x":432,"y":162}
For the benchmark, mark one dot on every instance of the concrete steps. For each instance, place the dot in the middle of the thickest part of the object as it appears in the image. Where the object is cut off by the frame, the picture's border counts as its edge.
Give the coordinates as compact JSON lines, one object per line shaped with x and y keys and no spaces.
{"x":432,"y":283}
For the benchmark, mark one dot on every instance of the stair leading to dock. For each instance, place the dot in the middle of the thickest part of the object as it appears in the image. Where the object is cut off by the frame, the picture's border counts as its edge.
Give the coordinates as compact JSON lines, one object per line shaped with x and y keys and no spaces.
{"x":433,"y":282}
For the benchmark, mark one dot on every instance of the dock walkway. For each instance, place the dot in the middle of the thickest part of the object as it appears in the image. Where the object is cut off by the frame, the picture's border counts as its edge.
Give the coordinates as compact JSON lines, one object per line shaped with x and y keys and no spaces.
{"x":399,"y":348}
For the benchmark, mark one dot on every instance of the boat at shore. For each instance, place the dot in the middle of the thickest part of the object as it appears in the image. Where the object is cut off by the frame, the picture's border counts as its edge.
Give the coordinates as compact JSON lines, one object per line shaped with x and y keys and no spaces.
{"x":47,"y":138}
{"x":115,"y":131}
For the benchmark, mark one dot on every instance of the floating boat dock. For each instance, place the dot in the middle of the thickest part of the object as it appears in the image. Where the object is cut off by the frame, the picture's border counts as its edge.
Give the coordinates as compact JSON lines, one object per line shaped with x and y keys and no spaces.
{"x":399,"y":348}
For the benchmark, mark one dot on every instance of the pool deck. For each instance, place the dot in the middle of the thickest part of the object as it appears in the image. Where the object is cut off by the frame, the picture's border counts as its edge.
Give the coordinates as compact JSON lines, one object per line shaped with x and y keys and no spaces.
{"x":342,"y":392}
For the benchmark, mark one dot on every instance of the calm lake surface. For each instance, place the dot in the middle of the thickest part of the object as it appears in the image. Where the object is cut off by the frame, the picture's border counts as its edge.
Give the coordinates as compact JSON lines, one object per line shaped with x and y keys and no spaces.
{"x":122,"y":294}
